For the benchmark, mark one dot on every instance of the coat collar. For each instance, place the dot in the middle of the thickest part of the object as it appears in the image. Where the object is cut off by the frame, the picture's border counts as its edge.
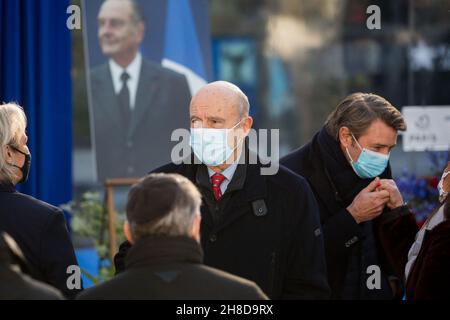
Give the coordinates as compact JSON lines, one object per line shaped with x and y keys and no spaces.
{"x":247,"y":181}
{"x":247,"y":178}
{"x":7,"y":187}
{"x":157,"y":250}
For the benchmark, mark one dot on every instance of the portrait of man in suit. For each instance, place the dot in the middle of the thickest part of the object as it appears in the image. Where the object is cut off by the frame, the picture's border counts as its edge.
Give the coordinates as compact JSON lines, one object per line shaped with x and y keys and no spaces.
{"x":135,"y":103}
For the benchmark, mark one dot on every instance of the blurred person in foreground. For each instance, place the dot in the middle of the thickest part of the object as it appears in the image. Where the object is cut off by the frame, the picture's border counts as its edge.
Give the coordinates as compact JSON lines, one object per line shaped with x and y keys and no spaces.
{"x":262,"y":226}
{"x":15,"y":284}
{"x":422,"y":256}
{"x":38,"y":227}
{"x":344,"y":163}
{"x":166,"y":260}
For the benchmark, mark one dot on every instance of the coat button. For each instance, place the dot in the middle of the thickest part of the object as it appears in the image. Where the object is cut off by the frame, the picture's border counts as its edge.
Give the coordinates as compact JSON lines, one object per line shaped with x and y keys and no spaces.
{"x":213,"y":238}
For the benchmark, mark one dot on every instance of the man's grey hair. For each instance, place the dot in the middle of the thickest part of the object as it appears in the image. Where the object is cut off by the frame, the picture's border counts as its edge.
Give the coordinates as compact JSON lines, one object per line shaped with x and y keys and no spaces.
{"x":138,"y":13}
{"x":244,"y":104}
{"x":163,"y":204}
{"x":13,"y":123}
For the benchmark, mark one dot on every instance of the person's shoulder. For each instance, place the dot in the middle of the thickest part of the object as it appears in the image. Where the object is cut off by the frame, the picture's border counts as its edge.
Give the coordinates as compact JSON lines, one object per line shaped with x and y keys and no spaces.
{"x":295,"y":160}
{"x":162,"y":71}
{"x":38,"y":290}
{"x":238,"y":287}
{"x":287,"y":180}
{"x":37,"y":206}
{"x":184,"y":168}
{"x":99,"y":71}
{"x":168,"y":168}
{"x":104,"y":290}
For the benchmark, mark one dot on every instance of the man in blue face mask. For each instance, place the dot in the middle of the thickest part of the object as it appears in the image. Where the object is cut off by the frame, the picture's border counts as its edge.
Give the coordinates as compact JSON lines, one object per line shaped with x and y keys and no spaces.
{"x":264,"y":228}
{"x":347,"y":165}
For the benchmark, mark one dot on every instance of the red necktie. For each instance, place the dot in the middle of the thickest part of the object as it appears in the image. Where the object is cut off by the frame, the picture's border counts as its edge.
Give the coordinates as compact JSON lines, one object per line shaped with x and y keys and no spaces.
{"x":217,"y":180}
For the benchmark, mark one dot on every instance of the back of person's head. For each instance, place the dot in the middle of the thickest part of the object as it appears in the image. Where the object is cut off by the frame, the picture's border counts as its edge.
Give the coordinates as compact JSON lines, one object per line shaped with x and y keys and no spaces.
{"x":163,"y":205}
{"x":13,"y":123}
{"x":359,"y":110}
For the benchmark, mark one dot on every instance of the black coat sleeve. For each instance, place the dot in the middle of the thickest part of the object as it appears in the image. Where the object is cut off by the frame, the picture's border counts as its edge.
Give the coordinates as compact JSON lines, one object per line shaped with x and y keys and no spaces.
{"x":57,"y":254}
{"x":307,"y":276}
{"x":341,"y":233}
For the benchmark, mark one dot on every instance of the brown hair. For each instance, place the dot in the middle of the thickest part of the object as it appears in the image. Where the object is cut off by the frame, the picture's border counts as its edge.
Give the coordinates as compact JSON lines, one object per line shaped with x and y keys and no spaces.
{"x":357,"y":112}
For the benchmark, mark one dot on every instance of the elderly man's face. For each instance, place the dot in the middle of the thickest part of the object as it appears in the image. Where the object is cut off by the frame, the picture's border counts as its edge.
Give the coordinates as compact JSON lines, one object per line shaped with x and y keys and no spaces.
{"x":118,"y":31}
{"x":214,"y":109}
{"x":219,"y":107}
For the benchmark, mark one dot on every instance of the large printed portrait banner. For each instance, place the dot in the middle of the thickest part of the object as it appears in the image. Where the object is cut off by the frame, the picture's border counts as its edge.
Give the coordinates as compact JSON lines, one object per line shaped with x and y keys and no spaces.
{"x":145,"y":59}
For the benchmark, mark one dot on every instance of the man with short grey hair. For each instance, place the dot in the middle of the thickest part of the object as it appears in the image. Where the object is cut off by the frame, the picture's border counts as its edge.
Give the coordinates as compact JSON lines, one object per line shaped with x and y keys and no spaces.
{"x":163,"y":223}
{"x":261,"y":227}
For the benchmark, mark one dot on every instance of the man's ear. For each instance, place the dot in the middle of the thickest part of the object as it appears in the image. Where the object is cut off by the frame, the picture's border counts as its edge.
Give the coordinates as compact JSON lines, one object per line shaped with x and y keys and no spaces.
{"x":345,"y":137}
{"x":195,"y":229}
{"x":247,"y":125}
{"x":141,"y":31}
{"x":127,"y":232}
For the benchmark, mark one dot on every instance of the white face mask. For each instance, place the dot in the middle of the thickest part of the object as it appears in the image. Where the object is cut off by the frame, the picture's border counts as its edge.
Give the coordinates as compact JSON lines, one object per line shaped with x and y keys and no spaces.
{"x":210,"y":145}
{"x":442,"y":194}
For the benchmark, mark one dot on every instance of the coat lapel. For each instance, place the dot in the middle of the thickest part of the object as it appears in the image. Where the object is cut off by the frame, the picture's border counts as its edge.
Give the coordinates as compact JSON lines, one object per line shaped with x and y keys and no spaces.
{"x":106,"y":99}
{"x":255,"y":188}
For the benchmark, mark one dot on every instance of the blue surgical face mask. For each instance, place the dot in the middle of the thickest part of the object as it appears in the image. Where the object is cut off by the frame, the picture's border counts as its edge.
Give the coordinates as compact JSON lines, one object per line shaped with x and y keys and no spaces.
{"x":370,"y":164}
{"x":210,"y":145}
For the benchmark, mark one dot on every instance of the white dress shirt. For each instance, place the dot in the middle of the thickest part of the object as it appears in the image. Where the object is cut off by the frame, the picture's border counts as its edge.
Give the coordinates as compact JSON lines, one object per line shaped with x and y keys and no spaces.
{"x":133,"y":70}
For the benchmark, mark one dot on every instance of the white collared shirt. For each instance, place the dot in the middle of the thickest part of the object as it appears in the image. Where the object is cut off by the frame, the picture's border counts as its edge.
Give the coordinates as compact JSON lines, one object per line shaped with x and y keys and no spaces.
{"x":227,"y":173}
{"x":133,"y":70}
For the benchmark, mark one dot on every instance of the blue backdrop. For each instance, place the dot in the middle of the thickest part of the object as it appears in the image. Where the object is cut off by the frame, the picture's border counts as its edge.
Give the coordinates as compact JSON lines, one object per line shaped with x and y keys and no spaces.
{"x":35,"y":64}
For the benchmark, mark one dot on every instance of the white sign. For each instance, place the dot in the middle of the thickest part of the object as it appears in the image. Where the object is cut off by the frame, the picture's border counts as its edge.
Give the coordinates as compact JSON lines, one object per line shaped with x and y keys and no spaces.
{"x":428,"y":128}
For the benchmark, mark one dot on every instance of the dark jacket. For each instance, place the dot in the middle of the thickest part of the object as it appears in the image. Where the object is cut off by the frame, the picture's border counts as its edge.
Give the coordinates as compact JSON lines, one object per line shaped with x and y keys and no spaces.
{"x":429,"y":277}
{"x":41,"y":233}
{"x":127,"y":149}
{"x":350,"y":248}
{"x":14,"y":284}
{"x":268,"y":230}
{"x":172,"y":268}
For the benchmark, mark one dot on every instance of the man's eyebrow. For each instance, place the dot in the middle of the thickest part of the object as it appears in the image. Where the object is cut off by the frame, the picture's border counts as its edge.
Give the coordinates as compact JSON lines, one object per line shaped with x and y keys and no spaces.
{"x":379,"y":145}
{"x":216,"y":119}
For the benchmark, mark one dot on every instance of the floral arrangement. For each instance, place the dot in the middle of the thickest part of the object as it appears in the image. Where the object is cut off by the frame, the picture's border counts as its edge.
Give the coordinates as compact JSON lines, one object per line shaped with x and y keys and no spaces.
{"x":88,"y":220}
{"x":420,"y":192}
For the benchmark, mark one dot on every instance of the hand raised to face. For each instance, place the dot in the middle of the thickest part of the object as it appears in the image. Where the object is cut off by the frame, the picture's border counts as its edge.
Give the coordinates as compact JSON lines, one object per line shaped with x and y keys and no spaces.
{"x":369,"y":203}
{"x":395,"y":197}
